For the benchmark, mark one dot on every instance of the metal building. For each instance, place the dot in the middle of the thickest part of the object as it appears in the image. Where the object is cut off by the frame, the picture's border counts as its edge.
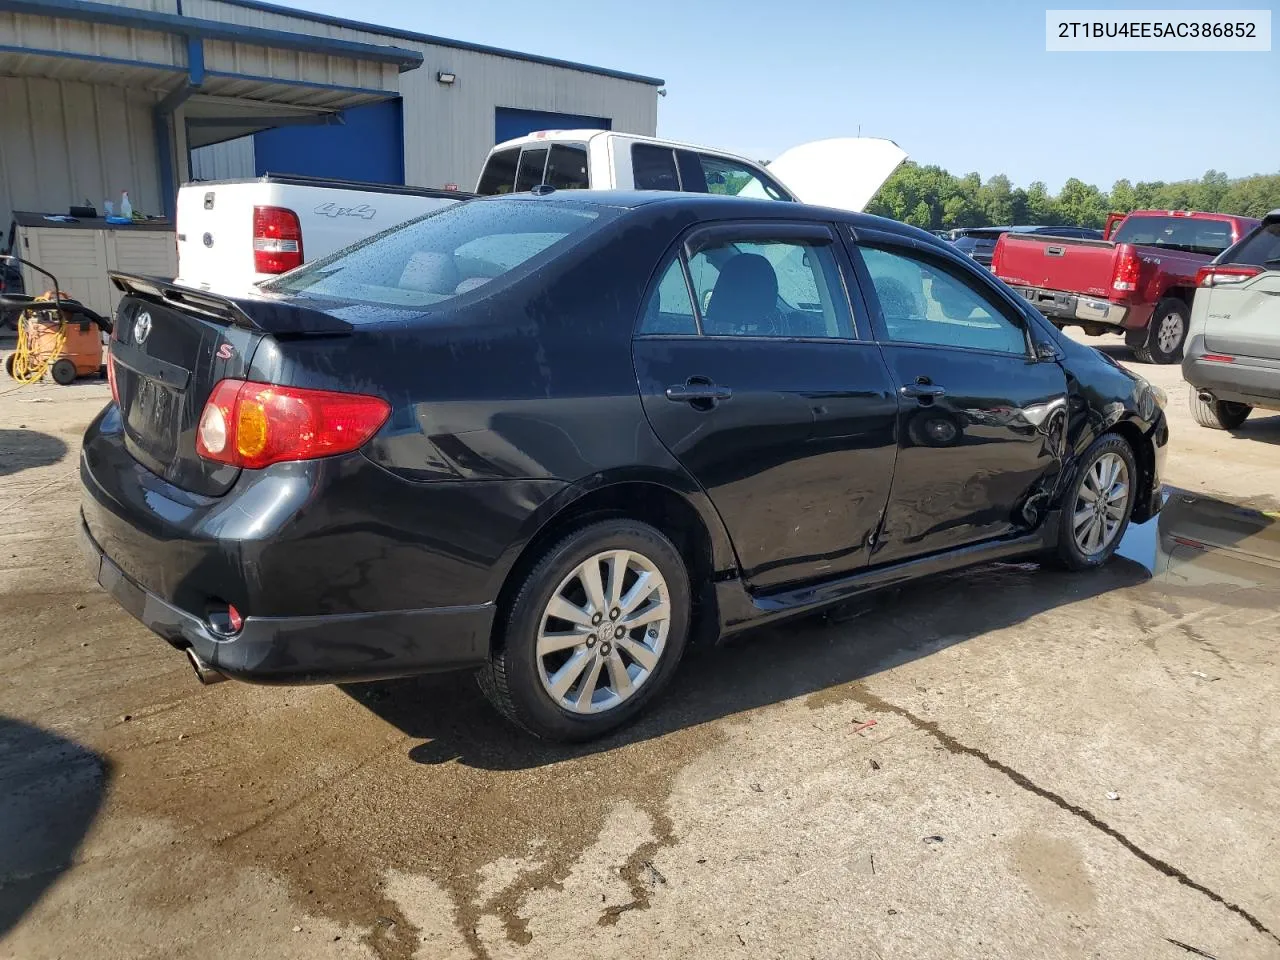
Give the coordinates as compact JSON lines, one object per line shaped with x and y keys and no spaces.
{"x":100,"y":97}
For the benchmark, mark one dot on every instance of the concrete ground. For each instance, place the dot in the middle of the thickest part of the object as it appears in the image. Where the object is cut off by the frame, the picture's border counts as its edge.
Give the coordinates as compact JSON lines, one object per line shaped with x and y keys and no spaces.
{"x":1008,"y":762}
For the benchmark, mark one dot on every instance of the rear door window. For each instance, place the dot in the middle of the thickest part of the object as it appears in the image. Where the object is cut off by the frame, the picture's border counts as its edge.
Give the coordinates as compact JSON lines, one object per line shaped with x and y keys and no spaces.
{"x":499,"y":175}
{"x":532,"y":165}
{"x":755,"y":288}
{"x":567,"y":166}
{"x":653,"y":167}
{"x":1260,"y":248}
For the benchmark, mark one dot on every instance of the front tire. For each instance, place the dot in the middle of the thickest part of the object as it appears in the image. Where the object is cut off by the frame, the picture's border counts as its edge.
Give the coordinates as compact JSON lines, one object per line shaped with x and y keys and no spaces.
{"x":1098,"y":505}
{"x":1217,"y":414}
{"x":595,"y":632}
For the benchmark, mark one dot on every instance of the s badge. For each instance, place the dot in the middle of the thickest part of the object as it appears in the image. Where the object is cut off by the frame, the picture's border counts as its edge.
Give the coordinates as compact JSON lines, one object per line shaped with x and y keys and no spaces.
{"x":226,"y":352}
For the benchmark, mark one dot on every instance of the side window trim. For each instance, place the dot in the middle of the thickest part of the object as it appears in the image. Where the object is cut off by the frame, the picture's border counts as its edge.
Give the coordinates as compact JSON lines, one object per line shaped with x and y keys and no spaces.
{"x":816,"y":232}
{"x":917,"y":251}
{"x":811,"y":231}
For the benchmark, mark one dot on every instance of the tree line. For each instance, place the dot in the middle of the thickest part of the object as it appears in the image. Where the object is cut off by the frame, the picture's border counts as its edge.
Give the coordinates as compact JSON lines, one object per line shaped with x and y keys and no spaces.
{"x":932,"y":198}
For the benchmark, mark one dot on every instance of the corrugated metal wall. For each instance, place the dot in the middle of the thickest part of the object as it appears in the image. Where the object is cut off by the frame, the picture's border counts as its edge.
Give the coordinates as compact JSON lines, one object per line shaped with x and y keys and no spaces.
{"x":94,"y":39}
{"x":230,"y":160}
{"x":66,"y":142}
{"x":448,"y":130}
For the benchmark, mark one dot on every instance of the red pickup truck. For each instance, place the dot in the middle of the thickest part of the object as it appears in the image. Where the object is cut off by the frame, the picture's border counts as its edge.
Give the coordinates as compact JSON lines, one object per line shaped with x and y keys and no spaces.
{"x":1139,"y":281}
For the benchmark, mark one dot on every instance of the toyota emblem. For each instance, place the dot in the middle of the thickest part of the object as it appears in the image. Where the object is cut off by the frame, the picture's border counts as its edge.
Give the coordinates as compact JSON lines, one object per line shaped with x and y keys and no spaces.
{"x":142,"y":328}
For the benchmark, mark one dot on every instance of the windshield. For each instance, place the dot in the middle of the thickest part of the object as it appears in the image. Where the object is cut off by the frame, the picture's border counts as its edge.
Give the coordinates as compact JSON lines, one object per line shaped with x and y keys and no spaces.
{"x":1176,"y":233}
{"x":445,"y":254}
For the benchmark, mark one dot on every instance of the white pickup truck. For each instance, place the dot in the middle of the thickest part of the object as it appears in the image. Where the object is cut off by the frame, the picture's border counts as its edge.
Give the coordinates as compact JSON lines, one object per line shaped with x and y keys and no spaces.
{"x":235,"y":233}
{"x":844,"y":173}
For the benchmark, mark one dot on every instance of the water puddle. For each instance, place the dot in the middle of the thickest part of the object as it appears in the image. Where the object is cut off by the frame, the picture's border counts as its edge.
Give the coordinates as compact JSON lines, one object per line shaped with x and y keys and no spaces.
{"x":1203,"y":543}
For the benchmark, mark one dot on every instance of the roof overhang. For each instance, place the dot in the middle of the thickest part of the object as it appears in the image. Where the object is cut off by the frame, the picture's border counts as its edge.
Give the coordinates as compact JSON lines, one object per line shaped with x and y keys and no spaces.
{"x":177,"y":57}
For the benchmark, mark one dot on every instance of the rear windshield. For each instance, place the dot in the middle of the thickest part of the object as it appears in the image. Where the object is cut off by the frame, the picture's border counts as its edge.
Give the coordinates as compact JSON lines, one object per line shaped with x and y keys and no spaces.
{"x":1260,"y":248}
{"x":563,"y":166}
{"x":444,"y":254}
{"x":1177,"y":233}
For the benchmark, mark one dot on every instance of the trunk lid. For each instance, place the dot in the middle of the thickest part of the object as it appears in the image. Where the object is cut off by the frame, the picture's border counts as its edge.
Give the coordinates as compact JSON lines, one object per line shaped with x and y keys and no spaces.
{"x":1068,"y":264}
{"x":170,"y":347}
{"x":843,"y":173}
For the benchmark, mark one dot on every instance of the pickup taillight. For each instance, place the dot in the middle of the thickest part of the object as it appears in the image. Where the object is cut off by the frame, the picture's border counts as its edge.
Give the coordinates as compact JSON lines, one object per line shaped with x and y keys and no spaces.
{"x":277,"y":240}
{"x":997,"y":255}
{"x":1124,"y":279}
{"x":1217,"y":275}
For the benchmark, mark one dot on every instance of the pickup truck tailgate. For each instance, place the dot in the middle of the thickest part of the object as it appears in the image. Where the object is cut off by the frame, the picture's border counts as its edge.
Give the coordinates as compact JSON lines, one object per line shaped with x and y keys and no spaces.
{"x":1056,"y":263}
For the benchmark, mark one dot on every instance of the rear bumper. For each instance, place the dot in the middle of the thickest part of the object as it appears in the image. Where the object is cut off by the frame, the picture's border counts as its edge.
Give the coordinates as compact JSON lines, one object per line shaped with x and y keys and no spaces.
{"x":1067,"y":308}
{"x":1246,"y":380}
{"x":319,"y":649}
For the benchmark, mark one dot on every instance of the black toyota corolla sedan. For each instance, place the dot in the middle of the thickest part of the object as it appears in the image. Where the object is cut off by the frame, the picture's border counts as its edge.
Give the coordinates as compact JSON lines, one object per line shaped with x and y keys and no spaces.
{"x":555,"y":437}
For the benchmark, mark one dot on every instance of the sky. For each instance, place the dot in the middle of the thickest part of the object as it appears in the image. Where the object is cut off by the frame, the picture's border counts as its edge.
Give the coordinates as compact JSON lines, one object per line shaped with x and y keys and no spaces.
{"x":967,"y":86}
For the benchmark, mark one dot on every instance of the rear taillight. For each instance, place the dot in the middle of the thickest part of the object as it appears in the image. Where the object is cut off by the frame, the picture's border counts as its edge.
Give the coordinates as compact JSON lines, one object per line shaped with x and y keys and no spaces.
{"x":111,"y":378}
{"x":248,"y":424}
{"x":1125,"y":277}
{"x":997,"y":256}
{"x":277,"y":240}
{"x":1218,"y":275}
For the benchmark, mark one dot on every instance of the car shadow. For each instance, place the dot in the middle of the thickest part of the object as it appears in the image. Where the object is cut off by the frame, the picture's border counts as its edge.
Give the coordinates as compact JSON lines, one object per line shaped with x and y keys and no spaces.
{"x":23,"y":449}
{"x":1261,"y":427}
{"x":756,"y":669}
{"x":50,"y":791}
{"x":1198,"y":546}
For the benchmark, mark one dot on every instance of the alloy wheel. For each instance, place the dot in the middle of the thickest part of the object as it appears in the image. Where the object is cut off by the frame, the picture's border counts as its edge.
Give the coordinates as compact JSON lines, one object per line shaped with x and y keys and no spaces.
{"x":1169,"y":333}
{"x":1100,"y":504}
{"x":603,"y":632}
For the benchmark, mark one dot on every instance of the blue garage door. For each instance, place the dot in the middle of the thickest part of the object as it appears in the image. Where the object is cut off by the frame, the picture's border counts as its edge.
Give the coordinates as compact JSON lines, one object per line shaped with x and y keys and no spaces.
{"x":509,"y":123}
{"x":368,"y":146}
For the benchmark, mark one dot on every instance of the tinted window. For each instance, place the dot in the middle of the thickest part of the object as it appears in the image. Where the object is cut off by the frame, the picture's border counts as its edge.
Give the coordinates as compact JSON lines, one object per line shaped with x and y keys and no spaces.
{"x":440,"y":256}
{"x":653,"y":168}
{"x":770,"y":289}
{"x":1180,"y":233}
{"x":735,"y":179}
{"x":1260,"y":248}
{"x":499,"y":173}
{"x":532,"y":163}
{"x":567,"y":166}
{"x":923,"y":303}
{"x":669,"y":309}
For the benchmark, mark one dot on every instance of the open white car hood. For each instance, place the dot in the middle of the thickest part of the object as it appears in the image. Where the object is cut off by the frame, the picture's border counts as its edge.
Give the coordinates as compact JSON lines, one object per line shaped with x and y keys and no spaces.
{"x":844,"y":172}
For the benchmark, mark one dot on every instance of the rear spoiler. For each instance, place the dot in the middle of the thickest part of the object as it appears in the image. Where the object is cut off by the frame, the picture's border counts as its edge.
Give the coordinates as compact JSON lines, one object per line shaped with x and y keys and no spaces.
{"x":265,"y":316}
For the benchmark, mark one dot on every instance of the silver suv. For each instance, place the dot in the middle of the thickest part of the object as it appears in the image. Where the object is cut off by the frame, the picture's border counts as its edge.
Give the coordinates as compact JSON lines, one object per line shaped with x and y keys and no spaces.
{"x":1232,"y":358}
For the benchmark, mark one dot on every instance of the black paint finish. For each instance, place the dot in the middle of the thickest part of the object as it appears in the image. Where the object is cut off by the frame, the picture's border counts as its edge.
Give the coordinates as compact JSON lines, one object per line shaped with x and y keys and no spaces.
{"x":529,"y":404}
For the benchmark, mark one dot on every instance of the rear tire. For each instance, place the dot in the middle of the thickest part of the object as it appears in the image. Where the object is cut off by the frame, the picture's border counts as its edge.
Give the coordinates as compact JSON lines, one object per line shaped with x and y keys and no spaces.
{"x":1166,"y":333}
{"x":619,"y":670}
{"x":63,"y":371}
{"x":1088,"y":538}
{"x":1217,"y":414}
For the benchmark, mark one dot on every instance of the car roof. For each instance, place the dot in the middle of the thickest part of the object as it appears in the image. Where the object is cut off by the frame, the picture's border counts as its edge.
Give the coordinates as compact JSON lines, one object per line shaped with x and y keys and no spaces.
{"x":717,"y":206}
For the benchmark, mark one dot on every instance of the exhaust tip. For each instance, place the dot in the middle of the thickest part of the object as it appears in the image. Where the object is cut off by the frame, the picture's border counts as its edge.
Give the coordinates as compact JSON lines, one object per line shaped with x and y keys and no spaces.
{"x":204,"y":673}
{"x":1204,"y":396}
